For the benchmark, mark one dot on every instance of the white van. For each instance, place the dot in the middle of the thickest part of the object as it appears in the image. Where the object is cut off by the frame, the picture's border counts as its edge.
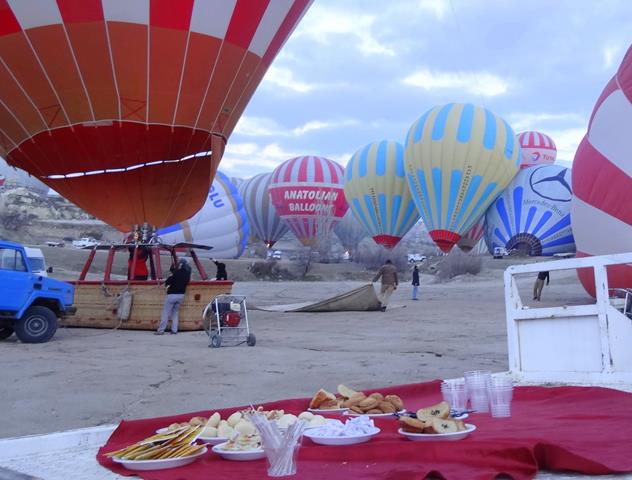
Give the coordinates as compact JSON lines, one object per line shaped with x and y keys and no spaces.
{"x":37,"y":261}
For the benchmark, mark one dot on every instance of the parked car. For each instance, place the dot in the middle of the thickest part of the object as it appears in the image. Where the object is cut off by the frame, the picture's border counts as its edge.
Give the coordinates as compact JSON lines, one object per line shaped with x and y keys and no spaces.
{"x":85,"y":242}
{"x":30,"y":303}
{"x":500,"y":252}
{"x":37,"y":261}
{"x":416,"y":258}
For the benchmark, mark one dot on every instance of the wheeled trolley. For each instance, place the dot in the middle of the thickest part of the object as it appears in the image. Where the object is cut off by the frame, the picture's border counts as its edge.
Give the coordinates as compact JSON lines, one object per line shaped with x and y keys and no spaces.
{"x":225,"y":320}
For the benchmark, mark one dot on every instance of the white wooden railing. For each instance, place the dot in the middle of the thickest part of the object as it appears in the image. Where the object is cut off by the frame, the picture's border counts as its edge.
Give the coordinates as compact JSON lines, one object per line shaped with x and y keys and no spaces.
{"x":582,"y":344}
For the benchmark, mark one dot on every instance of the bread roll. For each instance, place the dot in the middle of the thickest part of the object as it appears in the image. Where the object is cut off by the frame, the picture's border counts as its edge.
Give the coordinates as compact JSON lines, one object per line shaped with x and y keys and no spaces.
{"x":395,"y":401}
{"x":307,"y":416}
{"x":209,"y":432}
{"x":317,"y":420}
{"x":374,"y":411}
{"x":378,"y":396}
{"x":387,"y":407}
{"x":244,"y":427}
{"x":225,"y":431}
{"x":368,"y":403}
{"x":214,"y":419}
{"x":197,"y":421}
{"x":357,"y":409}
{"x":286,"y":420}
{"x":234,"y":419}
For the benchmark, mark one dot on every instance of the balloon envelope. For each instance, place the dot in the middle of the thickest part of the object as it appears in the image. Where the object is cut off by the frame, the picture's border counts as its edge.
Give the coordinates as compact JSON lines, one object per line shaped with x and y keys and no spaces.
{"x":307,"y":193}
{"x":350,"y":231}
{"x":459,"y":157}
{"x":537,"y":149}
{"x":377,"y":192}
{"x":222,"y":223}
{"x":602,"y":180}
{"x":533,"y":214}
{"x":265,"y":223}
{"x":106,"y":101}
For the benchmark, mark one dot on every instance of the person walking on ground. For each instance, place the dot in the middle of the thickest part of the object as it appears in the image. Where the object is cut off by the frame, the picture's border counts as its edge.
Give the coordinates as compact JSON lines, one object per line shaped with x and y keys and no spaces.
{"x":176,"y":286}
{"x":415,"y":281}
{"x":388,"y":274}
{"x":221,"y":271}
{"x":539,"y":285}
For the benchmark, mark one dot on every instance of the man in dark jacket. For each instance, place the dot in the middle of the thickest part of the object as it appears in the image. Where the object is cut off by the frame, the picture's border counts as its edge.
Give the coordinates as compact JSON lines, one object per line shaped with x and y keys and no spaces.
{"x":415,"y":281}
{"x":176,"y":286}
{"x":539,"y":285}
{"x":221,"y":271}
{"x":388,"y":274}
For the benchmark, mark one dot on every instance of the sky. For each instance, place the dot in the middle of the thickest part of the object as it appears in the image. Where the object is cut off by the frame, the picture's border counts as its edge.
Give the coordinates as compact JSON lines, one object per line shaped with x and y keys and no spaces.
{"x":358,"y":71}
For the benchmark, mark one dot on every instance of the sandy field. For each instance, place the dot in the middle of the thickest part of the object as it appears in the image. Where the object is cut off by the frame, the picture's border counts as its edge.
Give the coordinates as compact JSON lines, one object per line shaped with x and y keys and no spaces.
{"x":88,"y":377}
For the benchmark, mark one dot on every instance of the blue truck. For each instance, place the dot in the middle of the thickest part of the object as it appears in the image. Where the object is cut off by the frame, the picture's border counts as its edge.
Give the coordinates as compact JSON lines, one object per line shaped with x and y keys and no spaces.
{"x":30,"y":304}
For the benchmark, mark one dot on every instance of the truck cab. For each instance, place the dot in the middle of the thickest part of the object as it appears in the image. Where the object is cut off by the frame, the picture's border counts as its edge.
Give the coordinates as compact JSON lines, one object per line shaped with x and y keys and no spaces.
{"x":30,"y":303}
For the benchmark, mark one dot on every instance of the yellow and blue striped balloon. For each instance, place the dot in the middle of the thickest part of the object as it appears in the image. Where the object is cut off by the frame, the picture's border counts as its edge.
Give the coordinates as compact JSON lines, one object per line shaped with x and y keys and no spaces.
{"x":377,"y":192}
{"x":459,"y":158}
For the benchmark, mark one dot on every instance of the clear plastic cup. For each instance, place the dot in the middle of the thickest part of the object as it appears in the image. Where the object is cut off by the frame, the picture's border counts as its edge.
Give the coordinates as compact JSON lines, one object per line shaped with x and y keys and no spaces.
{"x":477,"y":383}
{"x":285,"y":464}
{"x":500,"y":394}
{"x":455,"y":393}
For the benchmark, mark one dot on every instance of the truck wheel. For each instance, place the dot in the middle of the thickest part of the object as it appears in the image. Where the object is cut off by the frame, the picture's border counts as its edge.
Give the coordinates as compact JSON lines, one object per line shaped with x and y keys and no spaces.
{"x":37,"y":325}
{"x":5,"y":332}
{"x":251,"y":340}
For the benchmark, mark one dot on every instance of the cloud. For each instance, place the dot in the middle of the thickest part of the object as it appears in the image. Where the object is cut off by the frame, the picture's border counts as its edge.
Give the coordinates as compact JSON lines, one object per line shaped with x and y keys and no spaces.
{"x":478,"y":83}
{"x":612,"y":54}
{"x":535,"y":121}
{"x":284,"y":78}
{"x":326,"y":25}
{"x":267,"y":127}
{"x":567,"y":140}
{"x":438,"y":8}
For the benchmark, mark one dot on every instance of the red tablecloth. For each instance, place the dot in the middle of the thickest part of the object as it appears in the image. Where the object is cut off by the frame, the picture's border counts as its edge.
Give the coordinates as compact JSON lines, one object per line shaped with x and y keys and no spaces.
{"x":583,"y":429}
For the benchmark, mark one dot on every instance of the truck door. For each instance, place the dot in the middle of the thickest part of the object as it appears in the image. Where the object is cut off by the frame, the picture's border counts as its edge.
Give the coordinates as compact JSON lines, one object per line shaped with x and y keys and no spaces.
{"x":15,"y":279}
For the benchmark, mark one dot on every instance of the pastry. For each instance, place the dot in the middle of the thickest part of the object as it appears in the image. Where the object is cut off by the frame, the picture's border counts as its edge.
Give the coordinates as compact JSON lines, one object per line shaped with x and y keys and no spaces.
{"x":395,"y":401}
{"x":440,"y":410}
{"x":321,"y":396}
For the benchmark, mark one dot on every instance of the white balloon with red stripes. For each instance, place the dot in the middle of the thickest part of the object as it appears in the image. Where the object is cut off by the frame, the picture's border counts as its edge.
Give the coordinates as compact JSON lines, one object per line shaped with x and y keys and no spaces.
{"x":537,"y":149}
{"x":308,"y":194}
{"x":601,"y":210}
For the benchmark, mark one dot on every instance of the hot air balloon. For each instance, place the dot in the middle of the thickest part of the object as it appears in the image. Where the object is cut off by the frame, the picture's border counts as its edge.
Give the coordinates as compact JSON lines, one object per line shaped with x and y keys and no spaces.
{"x":601,"y":209}
{"x":264,"y":222}
{"x":459,"y":157}
{"x":533,"y":213}
{"x":111,"y":102}
{"x":537,"y":149}
{"x":350,"y":231}
{"x":222,"y":223}
{"x":378,"y":194}
{"x":307,"y":193}
{"x":471,"y":238}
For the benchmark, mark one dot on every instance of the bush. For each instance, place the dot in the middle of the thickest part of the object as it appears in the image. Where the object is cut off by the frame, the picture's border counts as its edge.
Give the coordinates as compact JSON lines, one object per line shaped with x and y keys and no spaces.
{"x":270,"y":270}
{"x":459,"y":263}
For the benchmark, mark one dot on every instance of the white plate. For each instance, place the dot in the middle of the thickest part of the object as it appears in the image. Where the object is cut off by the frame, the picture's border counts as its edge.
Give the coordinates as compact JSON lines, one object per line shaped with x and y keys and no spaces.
{"x":159,"y":464}
{"x":438,"y":437}
{"x":239,"y":455}
{"x":351,"y":413}
{"x":213,"y":440}
{"x":327,"y":410}
{"x":351,"y":440}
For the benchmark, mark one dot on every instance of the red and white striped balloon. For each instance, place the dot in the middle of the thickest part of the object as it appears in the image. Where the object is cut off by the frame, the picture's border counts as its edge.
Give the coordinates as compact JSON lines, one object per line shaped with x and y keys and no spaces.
{"x":537,"y":149}
{"x":470,"y":238}
{"x":308,"y":194}
{"x":601,"y":209}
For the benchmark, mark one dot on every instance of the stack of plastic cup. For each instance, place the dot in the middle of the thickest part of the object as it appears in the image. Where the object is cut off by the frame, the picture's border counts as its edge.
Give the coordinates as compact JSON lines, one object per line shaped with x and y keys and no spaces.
{"x":477,"y":382}
{"x":455,"y":393}
{"x":500,"y":391}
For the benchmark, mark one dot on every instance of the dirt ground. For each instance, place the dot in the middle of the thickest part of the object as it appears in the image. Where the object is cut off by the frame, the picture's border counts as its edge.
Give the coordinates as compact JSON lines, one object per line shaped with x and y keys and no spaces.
{"x":88,"y":377}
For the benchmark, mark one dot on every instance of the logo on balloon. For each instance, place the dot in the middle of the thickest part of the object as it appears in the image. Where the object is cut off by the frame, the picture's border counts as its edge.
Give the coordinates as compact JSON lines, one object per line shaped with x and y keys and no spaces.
{"x":535,"y":156}
{"x":552,"y":185}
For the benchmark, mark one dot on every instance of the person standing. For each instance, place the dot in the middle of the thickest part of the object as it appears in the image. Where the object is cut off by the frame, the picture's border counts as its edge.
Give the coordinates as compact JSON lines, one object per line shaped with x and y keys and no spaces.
{"x":388,"y":274}
{"x":176,"y":286}
{"x":221,"y":271}
{"x":539,"y":284}
{"x":415,"y":281}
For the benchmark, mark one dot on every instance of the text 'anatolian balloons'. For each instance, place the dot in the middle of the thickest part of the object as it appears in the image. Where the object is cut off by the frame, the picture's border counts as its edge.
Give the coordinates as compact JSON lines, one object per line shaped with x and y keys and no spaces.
{"x":532,"y":215}
{"x":222,"y":223}
{"x":459,"y":157}
{"x":601,"y":210}
{"x":307,"y":193}
{"x":377,"y":192}
{"x":124,"y":106}
{"x":265,"y":223}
